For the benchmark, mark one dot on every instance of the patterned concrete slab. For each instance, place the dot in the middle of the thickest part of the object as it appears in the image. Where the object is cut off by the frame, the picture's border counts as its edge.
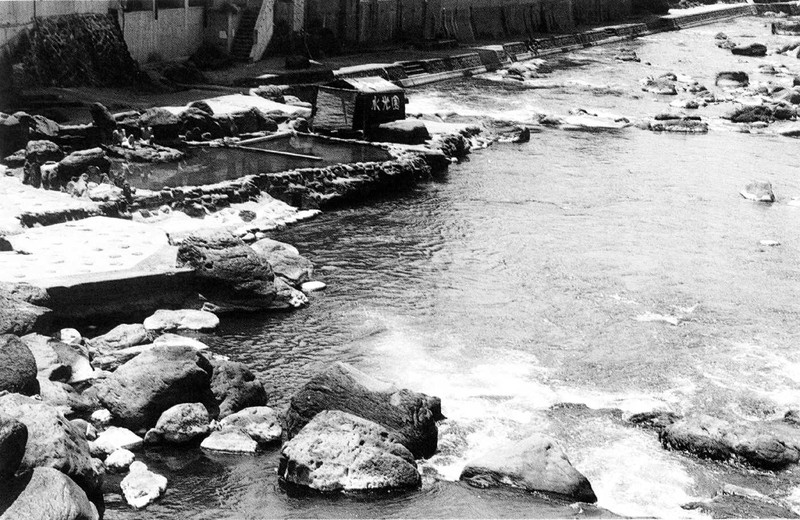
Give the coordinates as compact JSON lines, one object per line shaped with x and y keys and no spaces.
{"x":18,"y":198}
{"x":90,"y":250}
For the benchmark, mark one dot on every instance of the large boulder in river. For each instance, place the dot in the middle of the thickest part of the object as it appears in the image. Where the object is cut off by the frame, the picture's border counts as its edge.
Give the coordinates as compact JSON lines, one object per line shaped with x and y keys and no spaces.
{"x":712,"y":438}
{"x":43,"y":151}
{"x":409,"y":416}
{"x":78,"y":163}
{"x":181,"y":423}
{"x":139,"y":391}
{"x":285,"y":260}
{"x":54,"y":442}
{"x":45,"y":494}
{"x":759,"y":191}
{"x":233,"y":275}
{"x":13,"y":437}
{"x":338,"y":451}
{"x":165,"y":124}
{"x":17,"y":316}
{"x":751,"y":49}
{"x":407,"y":131}
{"x":536,"y":463}
{"x":17,"y":367}
{"x":732,"y":79}
{"x":235,"y":387}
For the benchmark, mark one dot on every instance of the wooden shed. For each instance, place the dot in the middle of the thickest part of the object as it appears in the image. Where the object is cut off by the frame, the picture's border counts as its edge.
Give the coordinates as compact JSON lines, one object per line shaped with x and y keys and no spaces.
{"x":358,"y":103}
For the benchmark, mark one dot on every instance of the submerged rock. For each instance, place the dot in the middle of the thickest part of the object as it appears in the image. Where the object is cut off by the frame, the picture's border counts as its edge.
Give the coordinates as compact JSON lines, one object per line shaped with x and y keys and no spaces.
{"x":655,"y":420}
{"x":409,"y":416}
{"x":45,"y":493}
{"x":141,"y":487}
{"x":17,"y":367}
{"x":660,"y":86}
{"x":737,"y":502}
{"x":683,"y":125}
{"x":536,"y":463}
{"x":759,"y":191}
{"x":338,"y":451}
{"x":713,"y":438}
{"x":155,"y":380}
{"x":181,"y":423}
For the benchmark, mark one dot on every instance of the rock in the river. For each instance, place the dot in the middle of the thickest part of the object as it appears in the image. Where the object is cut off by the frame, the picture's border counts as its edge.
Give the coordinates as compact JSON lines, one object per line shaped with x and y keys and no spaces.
{"x":120,"y":460}
{"x":64,"y":397}
{"x":760,"y":191}
{"x":285,"y":260}
{"x":261,"y":423}
{"x":287,"y":297}
{"x":751,"y":49}
{"x":59,"y":361}
{"x":187,"y":319}
{"x":43,"y":151}
{"x":737,"y":502}
{"x":713,"y":438}
{"x":732,"y":79}
{"x":116,"y":438}
{"x":54,"y":442}
{"x":410,"y":416}
{"x":233,"y":275}
{"x":45,"y":494}
{"x":661,"y":86}
{"x":181,"y":423}
{"x":407,"y":131}
{"x":165,"y":124}
{"x":17,"y":316}
{"x":13,"y":436}
{"x":682,"y":126}
{"x":536,"y":463}
{"x":338,"y":451}
{"x":313,"y":286}
{"x":121,"y":336}
{"x":17,"y":367}
{"x":235,"y":387}
{"x":234,"y":440}
{"x":176,"y":340}
{"x":141,"y":487}
{"x":155,"y":380}
{"x":77,"y":163}
{"x":656,"y":420}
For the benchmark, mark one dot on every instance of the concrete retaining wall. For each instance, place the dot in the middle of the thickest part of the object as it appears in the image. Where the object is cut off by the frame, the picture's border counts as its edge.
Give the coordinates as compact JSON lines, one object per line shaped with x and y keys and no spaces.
{"x":176,"y":33}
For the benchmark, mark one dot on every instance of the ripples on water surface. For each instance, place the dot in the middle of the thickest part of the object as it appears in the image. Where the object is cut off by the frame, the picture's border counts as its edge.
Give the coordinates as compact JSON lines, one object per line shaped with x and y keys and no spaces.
{"x":528,"y":278}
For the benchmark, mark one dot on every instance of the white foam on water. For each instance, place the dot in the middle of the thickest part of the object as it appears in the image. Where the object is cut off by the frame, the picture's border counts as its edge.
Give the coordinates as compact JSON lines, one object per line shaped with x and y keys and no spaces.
{"x":793,"y":500}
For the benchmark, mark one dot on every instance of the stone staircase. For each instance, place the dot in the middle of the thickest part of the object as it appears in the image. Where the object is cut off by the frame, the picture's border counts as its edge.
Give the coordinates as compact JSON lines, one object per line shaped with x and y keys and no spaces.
{"x":413,"y":67}
{"x":243,"y":40}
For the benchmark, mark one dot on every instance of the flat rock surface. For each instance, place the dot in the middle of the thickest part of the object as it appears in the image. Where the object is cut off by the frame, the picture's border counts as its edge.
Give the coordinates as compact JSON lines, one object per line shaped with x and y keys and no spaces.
{"x":94,"y":248}
{"x":20,"y":198}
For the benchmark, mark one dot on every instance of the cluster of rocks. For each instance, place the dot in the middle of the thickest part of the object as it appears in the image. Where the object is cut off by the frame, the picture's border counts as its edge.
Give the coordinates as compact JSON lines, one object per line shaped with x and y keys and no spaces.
{"x":765,"y":445}
{"x":75,"y":50}
{"x":341,"y":183}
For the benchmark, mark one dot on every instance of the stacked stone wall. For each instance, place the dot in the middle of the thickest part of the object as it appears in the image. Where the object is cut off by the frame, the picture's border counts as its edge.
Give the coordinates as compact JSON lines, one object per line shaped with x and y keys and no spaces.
{"x":76,"y":50}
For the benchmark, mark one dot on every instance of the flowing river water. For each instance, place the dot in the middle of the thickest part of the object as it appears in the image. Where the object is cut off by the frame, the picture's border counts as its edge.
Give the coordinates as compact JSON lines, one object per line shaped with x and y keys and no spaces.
{"x":619,"y":270}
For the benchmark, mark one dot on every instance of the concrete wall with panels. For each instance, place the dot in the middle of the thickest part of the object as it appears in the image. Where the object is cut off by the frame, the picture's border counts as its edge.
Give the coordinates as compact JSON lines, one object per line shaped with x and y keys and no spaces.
{"x":176,"y":33}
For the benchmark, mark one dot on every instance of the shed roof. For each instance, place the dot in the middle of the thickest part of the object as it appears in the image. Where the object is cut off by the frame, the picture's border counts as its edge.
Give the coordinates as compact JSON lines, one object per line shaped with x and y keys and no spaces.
{"x":369,"y":84}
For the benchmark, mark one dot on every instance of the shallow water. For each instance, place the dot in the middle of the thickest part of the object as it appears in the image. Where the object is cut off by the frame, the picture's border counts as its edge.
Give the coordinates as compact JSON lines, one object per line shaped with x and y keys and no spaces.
{"x":211,"y":165}
{"x":538,"y":274}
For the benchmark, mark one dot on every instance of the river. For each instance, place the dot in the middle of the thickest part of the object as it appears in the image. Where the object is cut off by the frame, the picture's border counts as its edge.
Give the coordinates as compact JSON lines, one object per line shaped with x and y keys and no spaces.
{"x":618,"y":270}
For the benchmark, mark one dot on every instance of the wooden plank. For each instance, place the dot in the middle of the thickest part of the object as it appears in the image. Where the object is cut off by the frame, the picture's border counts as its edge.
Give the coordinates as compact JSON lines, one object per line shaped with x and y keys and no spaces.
{"x":277,"y":152}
